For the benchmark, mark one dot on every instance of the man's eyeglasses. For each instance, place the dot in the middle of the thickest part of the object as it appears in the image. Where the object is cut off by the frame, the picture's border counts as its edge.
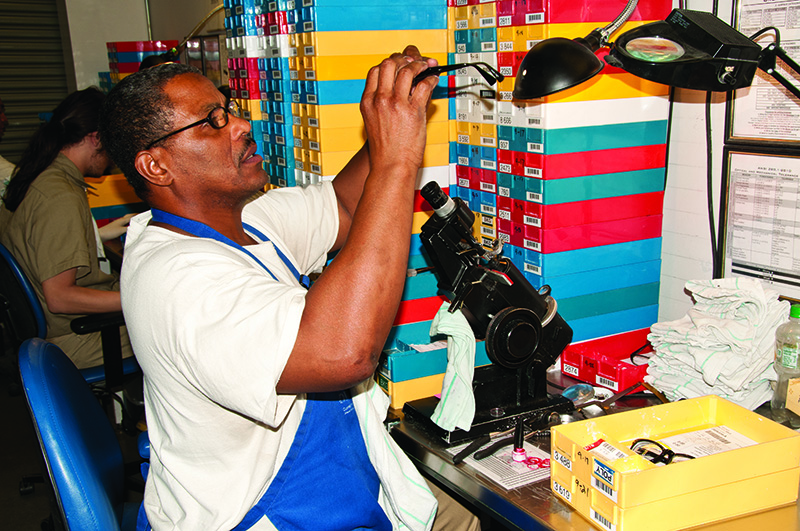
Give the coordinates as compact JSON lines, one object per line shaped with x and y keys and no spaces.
{"x":217,"y":118}
{"x":489,"y":73}
{"x":657,"y":453}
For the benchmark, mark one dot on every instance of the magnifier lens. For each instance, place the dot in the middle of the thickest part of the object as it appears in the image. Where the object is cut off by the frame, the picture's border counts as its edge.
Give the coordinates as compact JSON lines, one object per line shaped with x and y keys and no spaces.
{"x":654,"y":49}
{"x":579,"y":393}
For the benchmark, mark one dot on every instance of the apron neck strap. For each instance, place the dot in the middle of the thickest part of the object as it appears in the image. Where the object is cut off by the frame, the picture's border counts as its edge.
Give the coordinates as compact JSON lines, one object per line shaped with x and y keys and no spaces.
{"x":201,"y":230}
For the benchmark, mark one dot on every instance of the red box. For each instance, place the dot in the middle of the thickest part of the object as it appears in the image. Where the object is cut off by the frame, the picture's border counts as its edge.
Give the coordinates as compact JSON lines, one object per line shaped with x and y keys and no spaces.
{"x":141,"y":46}
{"x":601,"y":362}
{"x":595,"y":210}
{"x":591,"y":234}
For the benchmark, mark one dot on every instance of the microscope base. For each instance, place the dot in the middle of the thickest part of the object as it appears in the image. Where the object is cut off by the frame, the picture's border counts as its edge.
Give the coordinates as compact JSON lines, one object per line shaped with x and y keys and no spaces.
{"x":533,"y":411}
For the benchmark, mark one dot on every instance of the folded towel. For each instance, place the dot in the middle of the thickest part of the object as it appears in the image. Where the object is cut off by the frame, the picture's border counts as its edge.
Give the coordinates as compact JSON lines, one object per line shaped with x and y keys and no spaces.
{"x":724,"y":345}
{"x":456,"y":407}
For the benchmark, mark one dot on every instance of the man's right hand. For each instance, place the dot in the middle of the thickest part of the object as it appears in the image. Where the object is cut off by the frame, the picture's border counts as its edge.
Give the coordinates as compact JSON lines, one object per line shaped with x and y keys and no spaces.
{"x":395,"y":111}
{"x":350,"y":309}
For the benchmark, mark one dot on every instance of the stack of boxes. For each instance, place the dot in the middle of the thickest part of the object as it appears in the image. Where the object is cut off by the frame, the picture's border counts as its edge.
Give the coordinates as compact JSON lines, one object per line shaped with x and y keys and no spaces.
{"x":572,"y":184}
{"x":124,"y":57}
{"x":579,"y":178}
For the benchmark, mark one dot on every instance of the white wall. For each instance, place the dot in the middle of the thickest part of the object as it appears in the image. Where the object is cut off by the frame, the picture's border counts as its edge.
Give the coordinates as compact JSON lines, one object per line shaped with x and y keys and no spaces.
{"x":686,"y":251}
{"x":92,"y":23}
{"x":175,"y":19}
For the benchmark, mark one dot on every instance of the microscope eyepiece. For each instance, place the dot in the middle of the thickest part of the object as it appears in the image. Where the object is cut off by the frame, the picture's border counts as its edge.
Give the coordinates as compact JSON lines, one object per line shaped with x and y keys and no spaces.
{"x":442,"y":204}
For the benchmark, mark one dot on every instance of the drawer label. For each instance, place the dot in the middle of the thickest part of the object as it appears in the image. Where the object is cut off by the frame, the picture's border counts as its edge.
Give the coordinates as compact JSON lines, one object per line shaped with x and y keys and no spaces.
{"x":570,"y":369}
{"x":562,"y":491}
{"x":604,"y":472}
{"x":562,"y":459}
{"x":604,"y":522}
{"x":605,"y":489}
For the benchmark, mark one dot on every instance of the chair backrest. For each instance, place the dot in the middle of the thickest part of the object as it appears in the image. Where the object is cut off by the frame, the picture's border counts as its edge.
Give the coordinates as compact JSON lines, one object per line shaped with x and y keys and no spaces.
{"x":21,"y":310}
{"x":80,"y":448}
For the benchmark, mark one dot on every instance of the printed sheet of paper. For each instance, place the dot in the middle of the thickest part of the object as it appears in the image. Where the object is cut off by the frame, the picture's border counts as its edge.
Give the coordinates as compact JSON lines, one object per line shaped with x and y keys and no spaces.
{"x":761,"y":233}
{"x":766,"y":111}
{"x":708,"y":441}
{"x":503,"y":470}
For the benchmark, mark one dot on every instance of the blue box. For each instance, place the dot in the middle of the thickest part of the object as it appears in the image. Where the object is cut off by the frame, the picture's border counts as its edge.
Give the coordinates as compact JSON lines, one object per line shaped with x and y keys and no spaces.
{"x":592,"y":281}
{"x":395,"y":16}
{"x":590,"y":258}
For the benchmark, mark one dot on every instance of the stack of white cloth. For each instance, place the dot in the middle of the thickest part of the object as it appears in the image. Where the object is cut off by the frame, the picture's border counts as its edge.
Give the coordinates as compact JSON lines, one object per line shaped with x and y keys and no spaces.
{"x":723,"y":346}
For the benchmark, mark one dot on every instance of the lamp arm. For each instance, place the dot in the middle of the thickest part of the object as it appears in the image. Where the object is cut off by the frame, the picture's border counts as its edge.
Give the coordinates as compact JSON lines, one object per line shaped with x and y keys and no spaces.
{"x":767,"y":63}
{"x":617,"y":22}
{"x":199,"y":26}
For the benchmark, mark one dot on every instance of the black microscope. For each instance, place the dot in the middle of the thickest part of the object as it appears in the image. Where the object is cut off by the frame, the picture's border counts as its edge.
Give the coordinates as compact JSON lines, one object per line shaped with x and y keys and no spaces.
{"x":523,"y":331}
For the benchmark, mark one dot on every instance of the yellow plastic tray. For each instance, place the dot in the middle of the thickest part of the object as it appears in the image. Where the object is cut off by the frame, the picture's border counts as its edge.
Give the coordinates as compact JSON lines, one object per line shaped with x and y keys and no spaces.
{"x":631,"y":493}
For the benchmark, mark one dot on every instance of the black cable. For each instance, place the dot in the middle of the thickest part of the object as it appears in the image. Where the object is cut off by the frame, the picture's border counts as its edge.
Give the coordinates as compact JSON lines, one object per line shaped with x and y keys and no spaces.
{"x":709,"y":187}
{"x":638,"y":352}
{"x":762,"y":31}
{"x":669,"y":133}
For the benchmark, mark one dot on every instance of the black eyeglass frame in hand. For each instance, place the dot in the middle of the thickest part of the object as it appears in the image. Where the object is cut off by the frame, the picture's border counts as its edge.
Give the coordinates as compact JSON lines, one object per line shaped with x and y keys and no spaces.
{"x":487,"y":71}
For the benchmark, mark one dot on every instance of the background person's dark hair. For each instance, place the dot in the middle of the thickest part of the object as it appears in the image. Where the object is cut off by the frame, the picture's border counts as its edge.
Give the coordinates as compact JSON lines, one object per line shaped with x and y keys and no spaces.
{"x":74,"y":118}
{"x":136,"y":112}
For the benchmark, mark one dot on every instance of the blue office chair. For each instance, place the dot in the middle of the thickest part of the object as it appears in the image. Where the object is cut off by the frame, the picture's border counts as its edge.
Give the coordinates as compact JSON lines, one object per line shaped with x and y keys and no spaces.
{"x":80,"y":448}
{"x":23,"y":318}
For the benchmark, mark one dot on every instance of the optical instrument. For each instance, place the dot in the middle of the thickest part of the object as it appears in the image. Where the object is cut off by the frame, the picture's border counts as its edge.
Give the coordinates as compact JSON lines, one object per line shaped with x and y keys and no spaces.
{"x":523,"y":331}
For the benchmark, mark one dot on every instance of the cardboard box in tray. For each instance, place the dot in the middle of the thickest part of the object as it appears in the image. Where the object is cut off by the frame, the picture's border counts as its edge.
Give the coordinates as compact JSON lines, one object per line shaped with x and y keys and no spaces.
{"x":747,"y":464}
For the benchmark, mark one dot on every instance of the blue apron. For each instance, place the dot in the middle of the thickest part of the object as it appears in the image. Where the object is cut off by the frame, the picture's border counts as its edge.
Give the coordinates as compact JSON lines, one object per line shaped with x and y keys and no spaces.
{"x":327,"y":480}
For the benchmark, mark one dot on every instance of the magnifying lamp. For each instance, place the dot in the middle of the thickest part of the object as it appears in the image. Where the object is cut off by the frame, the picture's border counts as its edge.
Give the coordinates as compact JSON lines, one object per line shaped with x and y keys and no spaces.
{"x":690,"y":49}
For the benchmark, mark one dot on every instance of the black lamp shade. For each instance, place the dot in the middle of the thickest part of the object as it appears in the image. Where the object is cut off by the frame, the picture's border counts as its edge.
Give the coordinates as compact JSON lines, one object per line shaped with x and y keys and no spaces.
{"x":553,"y":65}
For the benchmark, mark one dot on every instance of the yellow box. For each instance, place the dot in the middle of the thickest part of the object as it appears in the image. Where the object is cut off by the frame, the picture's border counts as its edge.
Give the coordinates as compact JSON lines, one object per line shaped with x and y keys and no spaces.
{"x":352,"y":138}
{"x":483,"y":16}
{"x":339,"y":67}
{"x":418,"y":220}
{"x":487,"y":135}
{"x":460,"y":17}
{"x":331,"y":163}
{"x":349,"y":115}
{"x":251,"y":109}
{"x":608,"y":87}
{"x":402,"y":392}
{"x":505,"y":89}
{"x":110,"y":190}
{"x":384,"y":43}
{"x":630,"y":493}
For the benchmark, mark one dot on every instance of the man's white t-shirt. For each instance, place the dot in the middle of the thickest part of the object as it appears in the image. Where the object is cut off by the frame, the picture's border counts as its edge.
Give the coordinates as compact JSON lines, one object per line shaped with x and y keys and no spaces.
{"x":212,"y":331}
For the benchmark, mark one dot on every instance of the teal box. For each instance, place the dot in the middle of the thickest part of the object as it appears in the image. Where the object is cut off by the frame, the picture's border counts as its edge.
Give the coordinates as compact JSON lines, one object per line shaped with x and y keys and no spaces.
{"x":584,"y":188}
{"x":405,"y":363}
{"x":593,"y":138}
{"x":519,"y":187}
{"x":504,"y":182}
{"x":410,"y":334}
{"x":392,"y":16}
{"x":618,"y":300}
{"x":420,"y":286}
